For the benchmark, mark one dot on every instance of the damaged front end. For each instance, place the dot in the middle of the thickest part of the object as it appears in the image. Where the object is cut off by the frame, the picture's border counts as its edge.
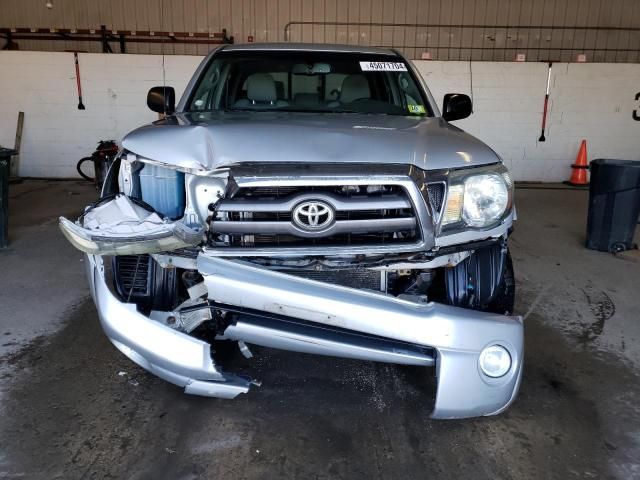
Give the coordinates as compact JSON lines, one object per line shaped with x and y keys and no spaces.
{"x":179,"y":258}
{"x":119,"y":225}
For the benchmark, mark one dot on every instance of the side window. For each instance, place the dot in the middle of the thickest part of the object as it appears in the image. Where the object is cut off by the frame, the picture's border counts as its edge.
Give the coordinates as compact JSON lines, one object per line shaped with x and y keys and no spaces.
{"x":411,"y":97}
{"x":203,"y":97}
{"x":200,"y":103}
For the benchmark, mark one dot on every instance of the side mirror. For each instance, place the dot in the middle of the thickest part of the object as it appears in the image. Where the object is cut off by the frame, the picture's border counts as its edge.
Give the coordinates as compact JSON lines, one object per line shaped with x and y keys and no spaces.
{"x":456,"y":106}
{"x":162,"y":100}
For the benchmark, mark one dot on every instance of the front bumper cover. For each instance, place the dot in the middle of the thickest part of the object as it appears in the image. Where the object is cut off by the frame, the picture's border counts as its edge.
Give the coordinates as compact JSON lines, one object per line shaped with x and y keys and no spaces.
{"x":457,"y":335}
{"x":174,"y":356}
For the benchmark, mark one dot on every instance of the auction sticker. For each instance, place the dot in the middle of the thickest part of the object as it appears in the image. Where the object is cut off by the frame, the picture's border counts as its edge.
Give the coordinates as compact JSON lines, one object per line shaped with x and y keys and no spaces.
{"x":383,"y":67}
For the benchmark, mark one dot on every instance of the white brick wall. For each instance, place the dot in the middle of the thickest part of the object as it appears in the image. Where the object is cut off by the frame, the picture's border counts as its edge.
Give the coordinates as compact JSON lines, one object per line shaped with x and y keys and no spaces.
{"x":56,"y":134}
{"x":592,"y":101}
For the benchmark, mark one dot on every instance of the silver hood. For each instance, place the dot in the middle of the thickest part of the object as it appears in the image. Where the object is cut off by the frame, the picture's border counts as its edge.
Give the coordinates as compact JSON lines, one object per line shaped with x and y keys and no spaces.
{"x":206,"y":141}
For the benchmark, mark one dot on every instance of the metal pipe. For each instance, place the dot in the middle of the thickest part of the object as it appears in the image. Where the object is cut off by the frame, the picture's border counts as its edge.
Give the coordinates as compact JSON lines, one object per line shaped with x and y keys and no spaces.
{"x":196,"y":41}
{"x":287,"y":27}
{"x":93,"y":31}
{"x":104,"y":36}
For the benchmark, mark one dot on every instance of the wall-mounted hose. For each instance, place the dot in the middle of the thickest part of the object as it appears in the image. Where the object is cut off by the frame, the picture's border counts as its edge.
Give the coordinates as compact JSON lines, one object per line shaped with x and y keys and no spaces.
{"x":79,"y":169}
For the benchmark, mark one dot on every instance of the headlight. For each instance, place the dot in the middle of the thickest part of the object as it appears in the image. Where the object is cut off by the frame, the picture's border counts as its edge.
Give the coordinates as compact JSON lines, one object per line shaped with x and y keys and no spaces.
{"x":477,"y":197}
{"x":486,"y":197}
{"x":495,"y":361}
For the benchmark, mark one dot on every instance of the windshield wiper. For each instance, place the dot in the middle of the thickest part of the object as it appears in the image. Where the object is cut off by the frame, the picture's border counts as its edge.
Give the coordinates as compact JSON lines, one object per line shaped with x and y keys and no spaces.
{"x":309,"y":110}
{"x":366,"y":113}
{"x":303,"y":110}
{"x":306,"y":110}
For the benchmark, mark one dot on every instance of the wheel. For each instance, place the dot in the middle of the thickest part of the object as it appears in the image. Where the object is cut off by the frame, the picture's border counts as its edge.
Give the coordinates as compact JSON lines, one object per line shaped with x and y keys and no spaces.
{"x":484,"y":281}
{"x":505,"y":295}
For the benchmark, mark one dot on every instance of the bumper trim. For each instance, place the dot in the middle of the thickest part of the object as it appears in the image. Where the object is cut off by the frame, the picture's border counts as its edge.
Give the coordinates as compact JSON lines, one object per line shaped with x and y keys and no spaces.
{"x":282,"y":333}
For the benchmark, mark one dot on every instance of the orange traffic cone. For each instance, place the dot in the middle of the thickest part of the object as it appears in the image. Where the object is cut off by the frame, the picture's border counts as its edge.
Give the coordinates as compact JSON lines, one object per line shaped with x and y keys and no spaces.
{"x":580,"y":168}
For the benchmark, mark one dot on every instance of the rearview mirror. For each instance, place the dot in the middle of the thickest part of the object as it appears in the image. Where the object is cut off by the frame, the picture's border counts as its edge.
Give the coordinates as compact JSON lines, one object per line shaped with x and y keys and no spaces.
{"x":162,"y":100}
{"x":309,"y":69}
{"x":456,"y":106}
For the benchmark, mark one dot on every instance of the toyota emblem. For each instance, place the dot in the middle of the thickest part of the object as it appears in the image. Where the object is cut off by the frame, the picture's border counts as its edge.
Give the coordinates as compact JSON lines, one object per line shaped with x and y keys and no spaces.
{"x":313,"y":215}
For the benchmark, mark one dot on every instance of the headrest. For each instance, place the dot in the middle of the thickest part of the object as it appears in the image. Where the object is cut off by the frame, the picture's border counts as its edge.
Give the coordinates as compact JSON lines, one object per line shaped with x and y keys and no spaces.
{"x":353,"y":88}
{"x":261,"y":88}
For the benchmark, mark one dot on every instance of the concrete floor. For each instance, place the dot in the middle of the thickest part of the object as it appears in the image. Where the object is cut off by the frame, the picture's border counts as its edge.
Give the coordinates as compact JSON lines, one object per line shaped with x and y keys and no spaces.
{"x":74,"y":407}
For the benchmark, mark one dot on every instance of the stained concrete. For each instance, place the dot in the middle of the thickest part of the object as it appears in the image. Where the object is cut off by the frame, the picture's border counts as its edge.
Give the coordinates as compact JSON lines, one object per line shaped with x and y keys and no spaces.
{"x":74,"y":407}
{"x":40,"y":272}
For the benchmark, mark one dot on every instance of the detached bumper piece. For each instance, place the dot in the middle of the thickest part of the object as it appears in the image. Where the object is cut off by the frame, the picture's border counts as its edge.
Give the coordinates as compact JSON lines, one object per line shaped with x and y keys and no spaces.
{"x":122,"y":227}
{"x":458,"y":336}
{"x":171,"y":355}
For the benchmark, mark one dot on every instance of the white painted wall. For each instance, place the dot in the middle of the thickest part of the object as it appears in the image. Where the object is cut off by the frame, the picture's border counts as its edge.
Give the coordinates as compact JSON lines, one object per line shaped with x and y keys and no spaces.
{"x":56,"y":134}
{"x":587,"y":101}
{"x":592,"y":101}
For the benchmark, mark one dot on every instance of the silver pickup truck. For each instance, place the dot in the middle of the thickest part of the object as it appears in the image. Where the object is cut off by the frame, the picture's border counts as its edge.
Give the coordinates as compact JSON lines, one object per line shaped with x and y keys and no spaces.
{"x":310,"y":198}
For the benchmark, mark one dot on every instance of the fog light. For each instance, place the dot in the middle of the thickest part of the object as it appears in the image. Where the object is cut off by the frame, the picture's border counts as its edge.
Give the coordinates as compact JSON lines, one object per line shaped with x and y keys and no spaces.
{"x":495,"y":361}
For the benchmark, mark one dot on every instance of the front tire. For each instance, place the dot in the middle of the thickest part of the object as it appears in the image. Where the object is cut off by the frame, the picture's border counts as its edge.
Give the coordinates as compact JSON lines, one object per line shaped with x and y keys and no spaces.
{"x":506,"y":292}
{"x":485,"y":281}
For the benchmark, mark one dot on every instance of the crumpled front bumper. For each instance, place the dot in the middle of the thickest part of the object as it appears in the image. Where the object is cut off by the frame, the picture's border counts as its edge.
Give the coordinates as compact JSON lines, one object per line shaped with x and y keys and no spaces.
{"x":457,"y":335}
{"x":174,"y":356}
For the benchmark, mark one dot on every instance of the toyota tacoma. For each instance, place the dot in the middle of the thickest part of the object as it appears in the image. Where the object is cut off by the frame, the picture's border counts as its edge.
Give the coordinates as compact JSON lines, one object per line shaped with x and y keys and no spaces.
{"x":310,"y":198}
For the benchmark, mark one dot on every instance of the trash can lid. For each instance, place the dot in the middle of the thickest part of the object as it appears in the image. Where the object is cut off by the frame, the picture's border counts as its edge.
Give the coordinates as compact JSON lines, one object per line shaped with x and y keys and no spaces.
{"x":617,"y":163}
{"x":611,"y":175}
{"x":7,"y":152}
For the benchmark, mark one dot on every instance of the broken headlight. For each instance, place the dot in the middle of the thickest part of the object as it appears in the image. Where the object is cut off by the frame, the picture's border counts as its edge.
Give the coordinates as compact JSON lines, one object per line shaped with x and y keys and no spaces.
{"x":477,"y":198}
{"x":175,"y":192}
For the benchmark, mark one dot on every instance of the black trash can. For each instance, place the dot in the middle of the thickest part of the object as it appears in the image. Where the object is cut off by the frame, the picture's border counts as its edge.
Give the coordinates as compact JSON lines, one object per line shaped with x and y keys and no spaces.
{"x":5,"y":166}
{"x":614,"y":205}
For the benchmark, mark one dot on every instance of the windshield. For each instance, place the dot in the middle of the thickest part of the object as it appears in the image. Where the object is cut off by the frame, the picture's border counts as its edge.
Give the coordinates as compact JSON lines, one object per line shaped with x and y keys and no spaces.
{"x":308,"y":82}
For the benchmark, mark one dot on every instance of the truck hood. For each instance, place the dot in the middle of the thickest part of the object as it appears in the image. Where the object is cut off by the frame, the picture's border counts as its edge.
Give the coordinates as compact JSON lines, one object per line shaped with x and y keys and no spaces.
{"x":206,"y":141}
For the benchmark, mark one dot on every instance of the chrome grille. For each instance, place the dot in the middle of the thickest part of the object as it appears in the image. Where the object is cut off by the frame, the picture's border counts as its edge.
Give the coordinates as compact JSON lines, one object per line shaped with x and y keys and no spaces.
{"x":363,"y":215}
{"x":436,"y":192}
